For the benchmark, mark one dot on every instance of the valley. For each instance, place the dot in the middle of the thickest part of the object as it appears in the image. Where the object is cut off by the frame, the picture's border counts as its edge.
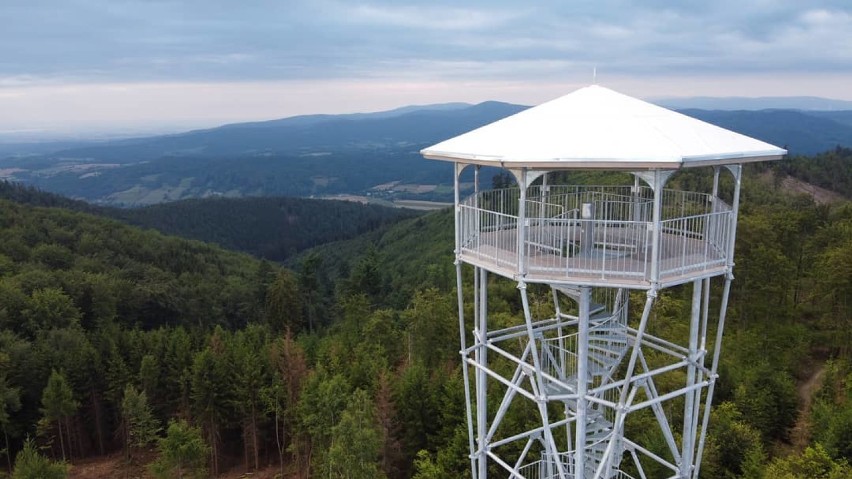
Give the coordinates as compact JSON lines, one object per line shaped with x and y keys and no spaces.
{"x":273,"y":322}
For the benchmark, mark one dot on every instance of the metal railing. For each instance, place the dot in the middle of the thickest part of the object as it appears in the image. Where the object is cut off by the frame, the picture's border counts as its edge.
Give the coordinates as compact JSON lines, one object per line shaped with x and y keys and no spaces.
{"x":595,"y":232}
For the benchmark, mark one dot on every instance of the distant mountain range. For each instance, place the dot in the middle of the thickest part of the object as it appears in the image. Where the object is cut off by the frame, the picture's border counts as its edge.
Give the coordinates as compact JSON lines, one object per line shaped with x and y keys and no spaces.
{"x":374,"y":155}
{"x":809,"y":103}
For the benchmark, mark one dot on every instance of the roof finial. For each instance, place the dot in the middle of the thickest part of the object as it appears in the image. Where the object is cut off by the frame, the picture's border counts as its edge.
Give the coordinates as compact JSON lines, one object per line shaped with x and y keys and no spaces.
{"x":594,"y":75}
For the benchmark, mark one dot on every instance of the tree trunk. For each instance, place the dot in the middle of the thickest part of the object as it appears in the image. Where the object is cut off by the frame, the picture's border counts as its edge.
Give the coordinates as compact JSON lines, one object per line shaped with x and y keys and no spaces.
{"x":125,"y":427}
{"x":71,"y":439}
{"x":61,"y":444}
{"x":308,"y":461}
{"x":96,"y":409}
{"x":213,"y":449}
{"x":254,"y":438}
{"x":278,"y":444}
{"x":8,"y":455}
{"x":246,"y":445}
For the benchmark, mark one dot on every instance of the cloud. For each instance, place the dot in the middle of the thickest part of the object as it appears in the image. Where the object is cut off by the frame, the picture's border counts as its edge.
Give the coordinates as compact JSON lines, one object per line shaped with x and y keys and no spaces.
{"x":274,"y":40}
{"x":52,"y":43}
{"x":430,"y":17}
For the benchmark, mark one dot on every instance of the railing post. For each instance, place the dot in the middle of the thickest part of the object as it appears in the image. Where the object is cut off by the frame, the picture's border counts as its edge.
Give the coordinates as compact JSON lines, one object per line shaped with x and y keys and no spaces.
{"x":477,"y":212}
{"x":587,"y":244}
{"x":522,"y":223}
{"x":737,"y":171}
{"x":636,"y":190}
{"x":656,"y":229}
{"x":457,"y":167}
{"x":715,"y":182}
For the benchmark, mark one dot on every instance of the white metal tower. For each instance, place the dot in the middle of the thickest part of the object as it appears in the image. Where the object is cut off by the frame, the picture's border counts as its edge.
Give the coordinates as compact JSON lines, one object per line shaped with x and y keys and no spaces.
{"x":588,"y":368}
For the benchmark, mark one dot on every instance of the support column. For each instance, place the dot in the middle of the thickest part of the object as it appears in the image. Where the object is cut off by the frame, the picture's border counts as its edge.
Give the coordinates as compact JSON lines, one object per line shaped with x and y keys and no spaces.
{"x":482,"y":378}
{"x":702,"y":350}
{"x":717,"y":348}
{"x":582,"y":381}
{"x":691,"y":395}
{"x":457,"y":207}
{"x":465,"y":370}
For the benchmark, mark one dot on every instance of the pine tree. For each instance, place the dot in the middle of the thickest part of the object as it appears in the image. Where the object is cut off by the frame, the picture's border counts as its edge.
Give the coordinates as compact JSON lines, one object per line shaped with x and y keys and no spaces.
{"x":250,"y":374}
{"x":211,"y":394}
{"x":10,"y":401}
{"x":182,"y":452}
{"x":355,"y":442}
{"x":283,"y":303}
{"x":391,"y":450}
{"x":29,"y":464}
{"x":320,"y":404}
{"x":58,"y":405}
{"x":150,"y":382}
{"x":140,"y":426}
{"x":288,"y":359}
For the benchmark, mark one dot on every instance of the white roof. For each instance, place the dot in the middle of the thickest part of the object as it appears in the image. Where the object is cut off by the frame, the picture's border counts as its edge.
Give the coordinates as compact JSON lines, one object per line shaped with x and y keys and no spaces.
{"x":595,"y":127}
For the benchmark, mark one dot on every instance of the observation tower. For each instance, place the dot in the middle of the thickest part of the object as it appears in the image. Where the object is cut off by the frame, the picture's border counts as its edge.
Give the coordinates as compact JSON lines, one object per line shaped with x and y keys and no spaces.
{"x":588,"y":366}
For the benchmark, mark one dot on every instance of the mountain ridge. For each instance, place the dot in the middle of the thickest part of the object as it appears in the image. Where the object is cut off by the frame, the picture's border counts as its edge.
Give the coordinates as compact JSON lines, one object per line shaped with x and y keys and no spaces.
{"x":321,"y":155}
{"x":805,"y":103}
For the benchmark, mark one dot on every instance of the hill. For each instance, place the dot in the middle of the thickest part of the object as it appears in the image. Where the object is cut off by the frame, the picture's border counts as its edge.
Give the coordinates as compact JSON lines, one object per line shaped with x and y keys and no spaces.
{"x":800,"y":132}
{"x":300,"y":156}
{"x":831,"y":170}
{"x":131,"y":273}
{"x":811,"y":104}
{"x":411,"y":255}
{"x":272,"y":228}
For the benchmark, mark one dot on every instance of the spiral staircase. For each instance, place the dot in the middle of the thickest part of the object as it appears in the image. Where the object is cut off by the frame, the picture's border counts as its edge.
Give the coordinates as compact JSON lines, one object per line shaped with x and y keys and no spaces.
{"x":607,"y":346}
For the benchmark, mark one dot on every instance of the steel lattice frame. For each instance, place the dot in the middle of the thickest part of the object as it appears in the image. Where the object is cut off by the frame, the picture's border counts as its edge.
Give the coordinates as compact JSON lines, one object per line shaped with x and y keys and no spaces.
{"x":592,"y":366}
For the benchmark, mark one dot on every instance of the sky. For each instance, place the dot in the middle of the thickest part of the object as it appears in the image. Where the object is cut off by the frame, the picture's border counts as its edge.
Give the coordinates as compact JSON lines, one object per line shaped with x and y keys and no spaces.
{"x":86,"y":67}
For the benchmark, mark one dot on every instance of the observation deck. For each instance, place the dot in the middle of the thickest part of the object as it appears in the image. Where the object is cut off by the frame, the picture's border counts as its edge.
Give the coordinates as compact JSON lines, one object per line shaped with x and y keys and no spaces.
{"x":585,"y":368}
{"x":596,"y":235}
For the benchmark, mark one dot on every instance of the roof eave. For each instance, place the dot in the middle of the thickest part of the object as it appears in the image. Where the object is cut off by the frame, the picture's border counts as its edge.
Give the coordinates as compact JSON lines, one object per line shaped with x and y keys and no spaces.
{"x":602,"y":164}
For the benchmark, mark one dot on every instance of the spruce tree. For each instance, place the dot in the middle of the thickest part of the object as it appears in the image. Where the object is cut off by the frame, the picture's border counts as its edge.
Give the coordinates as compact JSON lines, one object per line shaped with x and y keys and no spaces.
{"x":183,"y":452}
{"x":58,"y":405}
{"x":29,"y":464}
{"x":140,"y":425}
{"x":10,"y":401}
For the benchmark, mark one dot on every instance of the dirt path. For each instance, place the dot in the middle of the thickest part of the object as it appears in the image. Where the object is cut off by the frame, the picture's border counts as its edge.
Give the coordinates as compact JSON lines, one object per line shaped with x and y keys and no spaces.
{"x":115,"y":467}
{"x":800,"y":436}
{"x":820,"y":195}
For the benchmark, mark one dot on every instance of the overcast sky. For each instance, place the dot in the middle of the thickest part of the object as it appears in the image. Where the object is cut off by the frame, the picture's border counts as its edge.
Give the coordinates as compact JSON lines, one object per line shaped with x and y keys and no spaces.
{"x":88,"y":65}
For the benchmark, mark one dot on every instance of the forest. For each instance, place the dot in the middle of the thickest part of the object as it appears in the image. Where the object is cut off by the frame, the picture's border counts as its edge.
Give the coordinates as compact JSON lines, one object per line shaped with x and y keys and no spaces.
{"x":190,"y":360}
{"x":272,"y":228}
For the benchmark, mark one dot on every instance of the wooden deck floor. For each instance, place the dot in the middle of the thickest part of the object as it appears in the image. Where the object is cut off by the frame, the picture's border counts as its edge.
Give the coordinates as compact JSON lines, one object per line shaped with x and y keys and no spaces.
{"x":681,"y":260}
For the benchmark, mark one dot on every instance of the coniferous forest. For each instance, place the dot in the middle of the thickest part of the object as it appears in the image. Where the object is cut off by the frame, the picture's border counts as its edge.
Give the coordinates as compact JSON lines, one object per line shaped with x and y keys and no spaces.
{"x":188,"y":360}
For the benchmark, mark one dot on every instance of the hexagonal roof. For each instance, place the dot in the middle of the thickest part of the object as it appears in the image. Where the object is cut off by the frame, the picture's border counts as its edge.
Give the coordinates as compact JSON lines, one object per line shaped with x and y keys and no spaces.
{"x":597,"y":128}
